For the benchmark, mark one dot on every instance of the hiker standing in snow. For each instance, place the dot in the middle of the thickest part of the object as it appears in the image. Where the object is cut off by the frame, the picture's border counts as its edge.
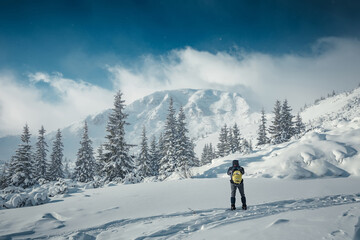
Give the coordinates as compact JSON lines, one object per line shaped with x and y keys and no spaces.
{"x":236,"y":181}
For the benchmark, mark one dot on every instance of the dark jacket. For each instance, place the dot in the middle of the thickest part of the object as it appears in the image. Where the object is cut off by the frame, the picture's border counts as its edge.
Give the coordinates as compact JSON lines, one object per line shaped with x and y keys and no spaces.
{"x":234,"y":167}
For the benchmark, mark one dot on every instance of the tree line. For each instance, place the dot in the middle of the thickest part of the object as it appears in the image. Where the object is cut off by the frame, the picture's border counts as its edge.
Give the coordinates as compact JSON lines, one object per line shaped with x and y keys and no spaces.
{"x":172,"y":152}
{"x":230,"y":141}
{"x":283,"y":126}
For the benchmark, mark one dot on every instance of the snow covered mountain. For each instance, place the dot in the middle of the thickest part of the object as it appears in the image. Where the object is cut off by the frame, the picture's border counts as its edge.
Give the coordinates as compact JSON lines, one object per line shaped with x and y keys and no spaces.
{"x":206,"y":111}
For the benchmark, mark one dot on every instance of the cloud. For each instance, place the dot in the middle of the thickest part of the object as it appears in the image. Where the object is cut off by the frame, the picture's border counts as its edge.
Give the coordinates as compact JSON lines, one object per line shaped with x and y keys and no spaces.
{"x":23,"y":103}
{"x":39,"y":77}
{"x":331,"y":64}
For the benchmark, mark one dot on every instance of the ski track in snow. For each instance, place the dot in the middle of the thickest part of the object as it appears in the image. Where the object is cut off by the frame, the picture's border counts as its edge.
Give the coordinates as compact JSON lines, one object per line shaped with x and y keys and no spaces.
{"x":180,"y":225}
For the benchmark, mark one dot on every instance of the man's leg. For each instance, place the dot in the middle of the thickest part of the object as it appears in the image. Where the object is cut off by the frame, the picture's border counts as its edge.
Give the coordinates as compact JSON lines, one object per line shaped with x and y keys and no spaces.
{"x":242,"y":193}
{"x":232,"y":198}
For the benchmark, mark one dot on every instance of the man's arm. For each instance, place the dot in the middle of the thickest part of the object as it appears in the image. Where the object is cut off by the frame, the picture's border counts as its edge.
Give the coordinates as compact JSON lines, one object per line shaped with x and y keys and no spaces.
{"x":229,"y":171}
{"x":242,"y":170}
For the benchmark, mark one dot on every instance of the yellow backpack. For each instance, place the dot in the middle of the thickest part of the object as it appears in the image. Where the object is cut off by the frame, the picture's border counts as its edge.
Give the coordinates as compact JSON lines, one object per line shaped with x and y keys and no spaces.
{"x":236,"y":177}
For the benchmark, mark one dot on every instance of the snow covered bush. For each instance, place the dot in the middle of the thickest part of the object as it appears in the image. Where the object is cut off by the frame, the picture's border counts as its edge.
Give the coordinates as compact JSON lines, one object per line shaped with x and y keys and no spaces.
{"x":132,"y":178}
{"x":60,"y":187}
{"x":13,"y":197}
{"x":12,"y":189}
{"x":98,"y":182}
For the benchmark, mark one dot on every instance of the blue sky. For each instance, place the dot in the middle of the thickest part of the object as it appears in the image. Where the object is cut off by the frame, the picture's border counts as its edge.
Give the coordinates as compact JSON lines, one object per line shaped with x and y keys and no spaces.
{"x":51,"y":48}
{"x":77,"y":38}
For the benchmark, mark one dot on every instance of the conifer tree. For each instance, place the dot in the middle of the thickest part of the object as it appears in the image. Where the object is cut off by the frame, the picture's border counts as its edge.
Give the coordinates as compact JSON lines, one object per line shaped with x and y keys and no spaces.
{"x":212,"y":152}
{"x":169,"y":160}
{"x":161,"y":147}
{"x":287,"y":125}
{"x":223,"y":145}
{"x":41,"y":164}
{"x":208,"y":154}
{"x":246,"y":146}
{"x":184,"y":147}
{"x":100,"y":160}
{"x":193,"y":160}
{"x":144,"y":159}
{"x":205,"y":155}
{"x":275,"y":128}
{"x":236,"y":138}
{"x":118,"y":162}
{"x":4,"y":177}
{"x":231,"y":141}
{"x":56,"y":166}
{"x":21,"y":165}
{"x":154,"y":157}
{"x":262,"y":138}
{"x":85,"y":163}
{"x":299,"y":125}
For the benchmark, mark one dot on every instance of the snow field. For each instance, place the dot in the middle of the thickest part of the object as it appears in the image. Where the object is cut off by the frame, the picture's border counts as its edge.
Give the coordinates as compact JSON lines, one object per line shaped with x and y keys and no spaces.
{"x":179,"y":209}
{"x":337,"y":222}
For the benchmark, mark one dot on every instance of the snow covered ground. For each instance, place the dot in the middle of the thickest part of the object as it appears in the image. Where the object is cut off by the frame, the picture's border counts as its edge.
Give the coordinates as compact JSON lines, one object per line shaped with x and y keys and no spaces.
{"x":296,"y":190}
{"x":194,"y":209}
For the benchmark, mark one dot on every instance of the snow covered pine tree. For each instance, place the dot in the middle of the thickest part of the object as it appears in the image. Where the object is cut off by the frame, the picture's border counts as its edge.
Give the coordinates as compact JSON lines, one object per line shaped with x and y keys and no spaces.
{"x":169,"y":161}
{"x":262,"y":138}
{"x":85,"y":163}
{"x":41,"y":164}
{"x":275,"y":128}
{"x":21,"y":165}
{"x":223,"y":145}
{"x":154,"y":157}
{"x":144,"y":159}
{"x":184,"y":147}
{"x":56,"y":166}
{"x":287,"y":124}
{"x":117,"y":160}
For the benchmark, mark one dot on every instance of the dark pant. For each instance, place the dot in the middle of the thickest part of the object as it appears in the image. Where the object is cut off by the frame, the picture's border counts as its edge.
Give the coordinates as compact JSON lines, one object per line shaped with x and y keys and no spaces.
{"x":241,"y":190}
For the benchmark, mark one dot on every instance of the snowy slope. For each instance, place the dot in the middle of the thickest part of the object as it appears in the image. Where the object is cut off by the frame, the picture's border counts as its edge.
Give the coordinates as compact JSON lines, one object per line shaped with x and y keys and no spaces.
{"x":206,"y":111}
{"x":315,"y":155}
{"x":320,"y":153}
{"x":343,"y":106}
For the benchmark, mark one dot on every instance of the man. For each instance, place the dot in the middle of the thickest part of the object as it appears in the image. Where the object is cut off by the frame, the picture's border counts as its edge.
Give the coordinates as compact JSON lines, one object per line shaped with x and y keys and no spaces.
{"x":236,"y":181}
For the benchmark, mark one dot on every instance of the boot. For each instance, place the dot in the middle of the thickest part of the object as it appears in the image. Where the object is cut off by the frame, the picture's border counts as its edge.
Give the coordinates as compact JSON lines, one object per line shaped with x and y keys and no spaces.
{"x":232,"y":200}
{"x":243,"y":201}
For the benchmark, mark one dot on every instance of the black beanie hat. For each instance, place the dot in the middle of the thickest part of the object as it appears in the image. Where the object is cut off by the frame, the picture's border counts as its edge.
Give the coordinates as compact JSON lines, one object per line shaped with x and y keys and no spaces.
{"x":235,"y":162}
